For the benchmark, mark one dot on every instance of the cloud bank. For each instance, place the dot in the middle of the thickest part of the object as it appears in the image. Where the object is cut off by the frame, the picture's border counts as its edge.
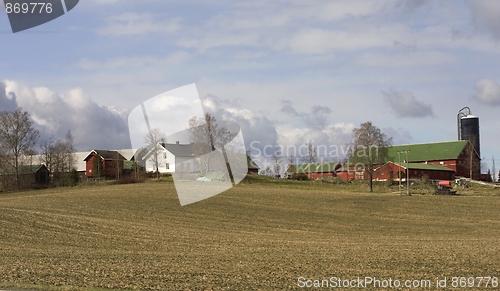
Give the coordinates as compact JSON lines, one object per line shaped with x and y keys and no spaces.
{"x":93,"y":126}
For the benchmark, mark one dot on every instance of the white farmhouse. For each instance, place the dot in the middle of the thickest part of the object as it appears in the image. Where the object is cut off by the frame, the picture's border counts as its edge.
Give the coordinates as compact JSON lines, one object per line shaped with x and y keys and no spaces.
{"x":169,"y":158}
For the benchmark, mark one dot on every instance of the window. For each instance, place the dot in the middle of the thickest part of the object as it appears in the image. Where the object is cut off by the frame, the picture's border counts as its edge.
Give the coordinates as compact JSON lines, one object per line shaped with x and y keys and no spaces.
{"x":167,"y":166}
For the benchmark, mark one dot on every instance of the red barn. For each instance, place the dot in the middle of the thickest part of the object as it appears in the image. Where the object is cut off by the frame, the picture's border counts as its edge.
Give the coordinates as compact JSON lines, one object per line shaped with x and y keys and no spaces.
{"x":313,"y":171}
{"x":459,"y":156}
{"x":111,"y":164}
{"x":414,"y":170}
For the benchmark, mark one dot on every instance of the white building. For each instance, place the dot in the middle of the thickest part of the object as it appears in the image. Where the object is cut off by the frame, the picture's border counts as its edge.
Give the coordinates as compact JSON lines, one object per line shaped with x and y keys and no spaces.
{"x":170,"y":158}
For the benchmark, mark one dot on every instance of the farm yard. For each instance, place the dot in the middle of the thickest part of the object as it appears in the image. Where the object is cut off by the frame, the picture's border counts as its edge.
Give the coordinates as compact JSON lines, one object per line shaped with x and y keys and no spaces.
{"x":260,"y":235}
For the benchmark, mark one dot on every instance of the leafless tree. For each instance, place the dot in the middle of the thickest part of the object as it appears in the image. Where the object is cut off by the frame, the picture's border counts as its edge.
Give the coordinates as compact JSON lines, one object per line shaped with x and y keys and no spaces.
{"x":17,"y":136}
{"x":207,"y":136}
{"x":59,"y":157}
{"x":493,"y":170}
{"x":312,"y":154}
{"x":152,"y":140}
{"x":370,"y":148}
{"x":277,"y":159}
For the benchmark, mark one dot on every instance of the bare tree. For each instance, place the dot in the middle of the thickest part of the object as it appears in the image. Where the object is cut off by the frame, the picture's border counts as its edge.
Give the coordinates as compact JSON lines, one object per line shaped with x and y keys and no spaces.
{"x":59,"y":157}
{"x":17,"y":136}
{"x":493,"y":170}
{"x":312,"y":154}
{"x":152,"y":140}
{"x":370,"y":148}
{"x":277,"y":159}
{"x":207,"y":136}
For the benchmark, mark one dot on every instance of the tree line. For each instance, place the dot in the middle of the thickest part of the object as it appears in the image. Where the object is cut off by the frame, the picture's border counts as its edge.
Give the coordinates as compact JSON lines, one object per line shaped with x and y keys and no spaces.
{"x":20,"y":149}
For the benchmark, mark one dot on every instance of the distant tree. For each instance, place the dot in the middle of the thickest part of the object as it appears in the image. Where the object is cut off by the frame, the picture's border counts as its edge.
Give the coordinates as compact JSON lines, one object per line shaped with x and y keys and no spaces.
{"x":370,"y":148}
{"x":493,"y":170}
{"x":498,"y":179}
{"x":277,"y":159}
{"x":488,"y":176}
{"x":207,"y":136}
{"x":59,"y":157}
{"x":311,"y":156}
{"x":152,"y":139}
{"x":268,"y":171}
{"x":17,"y":136}
{"x":74,"y":178}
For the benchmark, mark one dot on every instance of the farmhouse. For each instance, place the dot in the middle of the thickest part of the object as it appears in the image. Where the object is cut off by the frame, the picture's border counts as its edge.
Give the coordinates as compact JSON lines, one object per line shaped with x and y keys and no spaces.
{"x":167,"y":158}
{"x":317,"y":170}
{"x":430,"y":159}
{"x":109,"y":166}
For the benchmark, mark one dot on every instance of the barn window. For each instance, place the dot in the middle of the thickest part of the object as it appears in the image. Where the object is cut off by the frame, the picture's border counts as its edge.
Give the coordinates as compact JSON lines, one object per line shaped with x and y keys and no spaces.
{"x":167,"y":166}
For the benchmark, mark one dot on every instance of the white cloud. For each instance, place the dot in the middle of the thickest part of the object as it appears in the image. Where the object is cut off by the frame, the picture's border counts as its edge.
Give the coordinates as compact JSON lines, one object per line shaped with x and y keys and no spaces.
{"x":404,"y":104}
{"x":7,"y":101}
{"x":138,"y":23}
{"x":135,"y":61}
{"x":407,"y":59}
{"x":487,"y":92}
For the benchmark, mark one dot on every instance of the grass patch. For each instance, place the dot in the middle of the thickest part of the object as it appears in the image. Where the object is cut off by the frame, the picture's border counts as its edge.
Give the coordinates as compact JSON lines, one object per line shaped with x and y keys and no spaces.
{"x":260,"y":235}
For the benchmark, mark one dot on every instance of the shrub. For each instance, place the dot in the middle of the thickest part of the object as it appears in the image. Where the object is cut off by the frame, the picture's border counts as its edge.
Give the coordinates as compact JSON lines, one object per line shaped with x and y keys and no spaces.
{"x":300,"y":177}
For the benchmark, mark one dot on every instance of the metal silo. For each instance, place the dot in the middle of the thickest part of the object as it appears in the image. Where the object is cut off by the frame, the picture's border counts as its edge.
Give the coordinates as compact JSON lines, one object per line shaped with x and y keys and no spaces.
{"x":468,"y":128}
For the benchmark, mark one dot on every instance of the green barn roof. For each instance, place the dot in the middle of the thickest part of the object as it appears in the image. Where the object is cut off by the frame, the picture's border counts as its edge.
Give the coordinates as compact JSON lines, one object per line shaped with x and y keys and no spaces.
{"x":251,"y":164}
{"x":426,"y":151}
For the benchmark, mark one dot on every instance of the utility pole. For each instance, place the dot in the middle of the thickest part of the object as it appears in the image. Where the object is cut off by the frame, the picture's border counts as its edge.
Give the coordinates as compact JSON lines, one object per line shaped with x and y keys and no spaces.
{"x":407,"y":172}
{"x":399,"y":171}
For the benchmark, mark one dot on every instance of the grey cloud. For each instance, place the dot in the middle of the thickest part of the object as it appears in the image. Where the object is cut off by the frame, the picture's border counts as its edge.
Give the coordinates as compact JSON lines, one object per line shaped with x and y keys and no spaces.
{"x":317,"y":119}
{"x":404,"y":104}
{"x":487,"y":92}
{"x":399,"y":136}
{"x":93,"y":126}
{"x":485,"y":16}
{"x":288,"y":108}
{"x":411,"y":6}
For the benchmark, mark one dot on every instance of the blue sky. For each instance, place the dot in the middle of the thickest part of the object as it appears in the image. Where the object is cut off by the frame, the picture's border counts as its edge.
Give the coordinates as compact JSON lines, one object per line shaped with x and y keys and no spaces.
{"x":288,"y":71}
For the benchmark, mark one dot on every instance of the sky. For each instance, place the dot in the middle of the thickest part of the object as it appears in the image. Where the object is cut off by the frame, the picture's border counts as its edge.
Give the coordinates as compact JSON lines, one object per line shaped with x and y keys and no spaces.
{"x":289,"y":72}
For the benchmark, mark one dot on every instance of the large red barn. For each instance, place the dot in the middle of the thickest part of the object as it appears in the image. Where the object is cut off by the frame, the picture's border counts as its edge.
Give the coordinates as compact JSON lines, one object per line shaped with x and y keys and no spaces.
{"x":110,"y":161}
